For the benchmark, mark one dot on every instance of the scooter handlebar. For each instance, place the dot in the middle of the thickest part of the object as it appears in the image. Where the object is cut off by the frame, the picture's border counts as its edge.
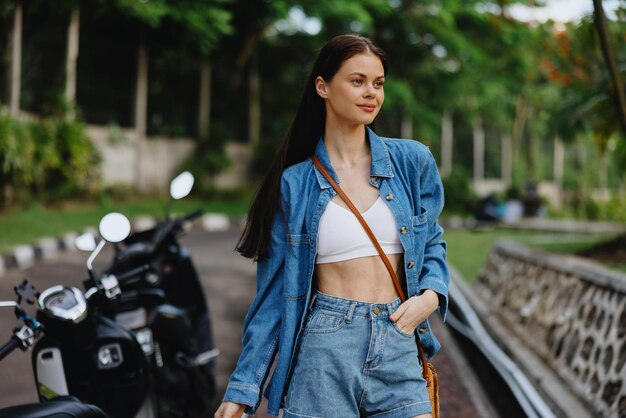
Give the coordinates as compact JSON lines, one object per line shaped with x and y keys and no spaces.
{"x":132,"y":273}
{"x":193,"y":215}
{"x":11,"y":345}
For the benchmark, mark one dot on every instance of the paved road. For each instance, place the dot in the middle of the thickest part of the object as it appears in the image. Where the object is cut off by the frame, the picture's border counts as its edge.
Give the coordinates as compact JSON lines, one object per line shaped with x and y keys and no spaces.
{"x":228,"y":281}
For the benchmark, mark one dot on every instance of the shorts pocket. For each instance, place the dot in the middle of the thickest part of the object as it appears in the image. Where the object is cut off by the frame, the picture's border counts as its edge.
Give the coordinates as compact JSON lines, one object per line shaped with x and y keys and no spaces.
{"x":323,"y":321}
{"x":399,"y":331}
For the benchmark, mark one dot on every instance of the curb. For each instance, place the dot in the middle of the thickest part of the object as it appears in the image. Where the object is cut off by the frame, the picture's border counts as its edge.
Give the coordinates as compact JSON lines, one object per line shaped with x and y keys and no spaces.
{"x":45,"y":248}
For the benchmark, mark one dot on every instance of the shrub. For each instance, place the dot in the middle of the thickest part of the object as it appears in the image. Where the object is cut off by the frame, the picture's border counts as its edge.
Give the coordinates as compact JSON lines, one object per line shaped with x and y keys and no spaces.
{"x":460,"y":195}
{"x":48,"y":158}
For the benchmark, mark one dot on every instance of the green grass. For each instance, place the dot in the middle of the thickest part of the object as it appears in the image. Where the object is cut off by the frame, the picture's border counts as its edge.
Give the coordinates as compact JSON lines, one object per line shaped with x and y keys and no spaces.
{"x":468,"y":250}
{"x":26,"y":225}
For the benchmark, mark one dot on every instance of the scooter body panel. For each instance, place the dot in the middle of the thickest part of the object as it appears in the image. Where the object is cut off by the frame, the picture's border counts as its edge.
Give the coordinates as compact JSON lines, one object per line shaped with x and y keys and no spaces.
{"x":49,"y":373}
{"x":112,"y":373}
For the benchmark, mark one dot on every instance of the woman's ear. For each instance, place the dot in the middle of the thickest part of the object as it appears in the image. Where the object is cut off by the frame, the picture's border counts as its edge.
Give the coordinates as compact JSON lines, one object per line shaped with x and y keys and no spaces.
{"x":320,"y":87}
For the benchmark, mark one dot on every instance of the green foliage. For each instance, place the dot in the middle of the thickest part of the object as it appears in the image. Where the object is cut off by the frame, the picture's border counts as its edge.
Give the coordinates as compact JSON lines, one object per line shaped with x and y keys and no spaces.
{"x":50,"y":158}
{"x":208,"y":159}
{"x":460,"y":195}
{"x":200,"y":23}
{"x":613,"y":209}
{"x":149,"y":12}
{"x":466,"y":57}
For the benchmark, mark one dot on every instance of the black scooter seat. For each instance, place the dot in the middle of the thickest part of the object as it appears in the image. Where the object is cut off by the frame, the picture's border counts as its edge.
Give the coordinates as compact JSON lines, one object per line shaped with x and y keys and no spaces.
{"x":61,"y":407}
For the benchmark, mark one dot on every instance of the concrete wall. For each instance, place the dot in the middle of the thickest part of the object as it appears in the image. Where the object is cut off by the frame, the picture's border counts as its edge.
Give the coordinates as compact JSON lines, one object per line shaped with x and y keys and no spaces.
{"x":160,"y":158}
{"x":236,"y":175}
{"x":568,"y":311}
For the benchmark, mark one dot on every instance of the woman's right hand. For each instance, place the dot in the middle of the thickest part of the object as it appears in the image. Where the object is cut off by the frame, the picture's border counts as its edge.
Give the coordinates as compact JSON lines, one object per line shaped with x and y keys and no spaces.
{"x":230,"y":410}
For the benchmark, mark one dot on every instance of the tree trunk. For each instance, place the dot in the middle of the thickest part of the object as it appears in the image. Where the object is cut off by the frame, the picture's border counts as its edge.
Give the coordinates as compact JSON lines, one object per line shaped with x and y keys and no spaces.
{"x":16,"y":61}
{"x":406,"y":124}
{"x":141,"y":108}
{"x":521,"y":110}
{"x":559,"y":167}
{"x":254,"y":111}
{"x":603,"y":173}
{"x":204,"y":115}
{"x":507,"y":158}
{"x":582,"y":190}
{"x":70,"y":60}
{"x":479,"y":149}
{"x":447,"y":138}
{"x":599,"y":20}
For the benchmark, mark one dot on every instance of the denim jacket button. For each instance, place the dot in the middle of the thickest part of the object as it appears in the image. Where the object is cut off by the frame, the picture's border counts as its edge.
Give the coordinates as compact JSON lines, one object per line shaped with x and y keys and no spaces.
{"x":423,"y":330}
{"x":410,"y":265}
{"x":389,"y":196}
{"x":403,"y":230}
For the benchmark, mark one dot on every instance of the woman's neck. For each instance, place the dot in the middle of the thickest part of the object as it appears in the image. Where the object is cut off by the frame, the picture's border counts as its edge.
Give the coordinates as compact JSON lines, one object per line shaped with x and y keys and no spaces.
{"x":346,"y":146}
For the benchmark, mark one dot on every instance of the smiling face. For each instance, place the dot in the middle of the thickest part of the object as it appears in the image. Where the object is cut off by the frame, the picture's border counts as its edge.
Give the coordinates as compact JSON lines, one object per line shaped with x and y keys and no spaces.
{"x":355,"y":94}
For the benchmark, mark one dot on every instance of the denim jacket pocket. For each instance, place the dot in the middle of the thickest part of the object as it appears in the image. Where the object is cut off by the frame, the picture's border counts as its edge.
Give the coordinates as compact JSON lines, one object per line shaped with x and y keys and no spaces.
{"x":420,"y":221}
{"x":296,"y":262}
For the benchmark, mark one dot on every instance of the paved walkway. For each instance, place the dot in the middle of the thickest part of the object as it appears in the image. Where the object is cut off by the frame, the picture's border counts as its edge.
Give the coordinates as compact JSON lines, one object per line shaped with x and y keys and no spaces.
{"x":228,"y":281}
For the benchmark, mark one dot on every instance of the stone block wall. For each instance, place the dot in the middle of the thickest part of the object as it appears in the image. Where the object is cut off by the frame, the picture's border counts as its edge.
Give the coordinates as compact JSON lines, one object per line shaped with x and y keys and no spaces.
{"x":571,"y":312}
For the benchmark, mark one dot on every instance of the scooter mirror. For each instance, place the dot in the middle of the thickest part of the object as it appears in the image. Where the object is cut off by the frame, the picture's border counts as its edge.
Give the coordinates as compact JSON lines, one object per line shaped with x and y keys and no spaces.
{"x":114,"y":227}
{"x":85,"y":242}
{"x":181,"y":185}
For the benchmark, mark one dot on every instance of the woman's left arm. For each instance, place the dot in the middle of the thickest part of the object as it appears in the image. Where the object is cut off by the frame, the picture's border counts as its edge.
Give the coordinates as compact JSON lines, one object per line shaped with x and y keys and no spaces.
{"x":434,"y":275}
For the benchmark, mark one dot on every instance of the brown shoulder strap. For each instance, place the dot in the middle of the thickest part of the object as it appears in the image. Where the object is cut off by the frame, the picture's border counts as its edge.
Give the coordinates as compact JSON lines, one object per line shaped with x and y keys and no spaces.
{"x":372,"y":237}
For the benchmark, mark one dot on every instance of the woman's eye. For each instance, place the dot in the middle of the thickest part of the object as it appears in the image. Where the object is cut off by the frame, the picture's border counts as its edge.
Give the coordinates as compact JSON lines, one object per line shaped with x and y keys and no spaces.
{"x":379,"y":84}
{"x":357,"y":82}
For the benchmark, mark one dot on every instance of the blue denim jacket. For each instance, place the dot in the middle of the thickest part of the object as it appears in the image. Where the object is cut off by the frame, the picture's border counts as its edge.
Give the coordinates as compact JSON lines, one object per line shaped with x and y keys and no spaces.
{"x":405,"y":173}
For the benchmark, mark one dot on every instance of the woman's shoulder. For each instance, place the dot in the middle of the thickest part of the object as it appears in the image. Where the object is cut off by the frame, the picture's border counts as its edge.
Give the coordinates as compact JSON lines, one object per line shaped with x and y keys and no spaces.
{"x":298,"y":171}
{"x":406,"y":148}
{"x":295,"y":178}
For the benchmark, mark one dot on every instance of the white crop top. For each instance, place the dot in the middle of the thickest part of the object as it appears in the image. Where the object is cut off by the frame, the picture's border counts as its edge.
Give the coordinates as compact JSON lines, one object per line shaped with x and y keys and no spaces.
{"x":342,"y":237}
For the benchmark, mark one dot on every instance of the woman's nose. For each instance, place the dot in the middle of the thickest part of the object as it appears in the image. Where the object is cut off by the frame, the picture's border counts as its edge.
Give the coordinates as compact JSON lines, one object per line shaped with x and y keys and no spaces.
{"x":369,"y":92}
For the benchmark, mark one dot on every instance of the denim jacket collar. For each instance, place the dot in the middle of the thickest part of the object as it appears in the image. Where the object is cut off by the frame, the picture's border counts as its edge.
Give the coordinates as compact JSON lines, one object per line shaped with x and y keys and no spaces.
{"x":381,"y":163}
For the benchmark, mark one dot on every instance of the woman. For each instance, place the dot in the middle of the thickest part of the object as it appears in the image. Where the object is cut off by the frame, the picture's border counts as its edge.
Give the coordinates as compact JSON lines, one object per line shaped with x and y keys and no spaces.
{"x":325,"y":301}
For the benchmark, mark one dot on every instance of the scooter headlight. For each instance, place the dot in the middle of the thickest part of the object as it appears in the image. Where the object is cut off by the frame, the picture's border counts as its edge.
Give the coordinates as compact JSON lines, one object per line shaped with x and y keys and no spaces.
{"x":110,"y":356}
{"x":144,"y":338}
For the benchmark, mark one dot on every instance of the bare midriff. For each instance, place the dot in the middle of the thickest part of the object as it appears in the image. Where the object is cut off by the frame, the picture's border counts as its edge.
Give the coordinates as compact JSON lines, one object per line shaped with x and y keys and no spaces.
{"x":365,"y":278}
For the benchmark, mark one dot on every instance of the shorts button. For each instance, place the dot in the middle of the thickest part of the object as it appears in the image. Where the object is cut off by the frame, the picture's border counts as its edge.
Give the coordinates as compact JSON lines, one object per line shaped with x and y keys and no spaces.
{"x":376,"y":310}
{"x":423,"y":330}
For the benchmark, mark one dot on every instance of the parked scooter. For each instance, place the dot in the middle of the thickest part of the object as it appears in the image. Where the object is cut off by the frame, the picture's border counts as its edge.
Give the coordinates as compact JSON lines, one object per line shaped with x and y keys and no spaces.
{"x":175,"y":334}
{"x":23,"y":338}
{"x":85,"y":354}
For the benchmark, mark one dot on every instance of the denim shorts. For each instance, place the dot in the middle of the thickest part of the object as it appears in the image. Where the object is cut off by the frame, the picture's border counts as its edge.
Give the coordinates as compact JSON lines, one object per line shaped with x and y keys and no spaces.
{"x":354,"y":362}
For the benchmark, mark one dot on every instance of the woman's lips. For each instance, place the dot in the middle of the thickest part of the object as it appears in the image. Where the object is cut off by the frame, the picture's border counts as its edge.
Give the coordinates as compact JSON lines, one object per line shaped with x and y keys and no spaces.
{"x":368,"y":108}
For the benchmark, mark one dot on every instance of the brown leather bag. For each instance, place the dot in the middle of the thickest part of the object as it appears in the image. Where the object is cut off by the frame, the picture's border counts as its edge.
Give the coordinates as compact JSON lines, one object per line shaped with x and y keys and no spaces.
{"x":428,"y":369}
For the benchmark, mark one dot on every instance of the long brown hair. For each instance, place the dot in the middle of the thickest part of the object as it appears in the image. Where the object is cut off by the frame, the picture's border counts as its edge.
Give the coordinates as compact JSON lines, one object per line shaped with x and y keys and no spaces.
{"x":299,"y":142}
